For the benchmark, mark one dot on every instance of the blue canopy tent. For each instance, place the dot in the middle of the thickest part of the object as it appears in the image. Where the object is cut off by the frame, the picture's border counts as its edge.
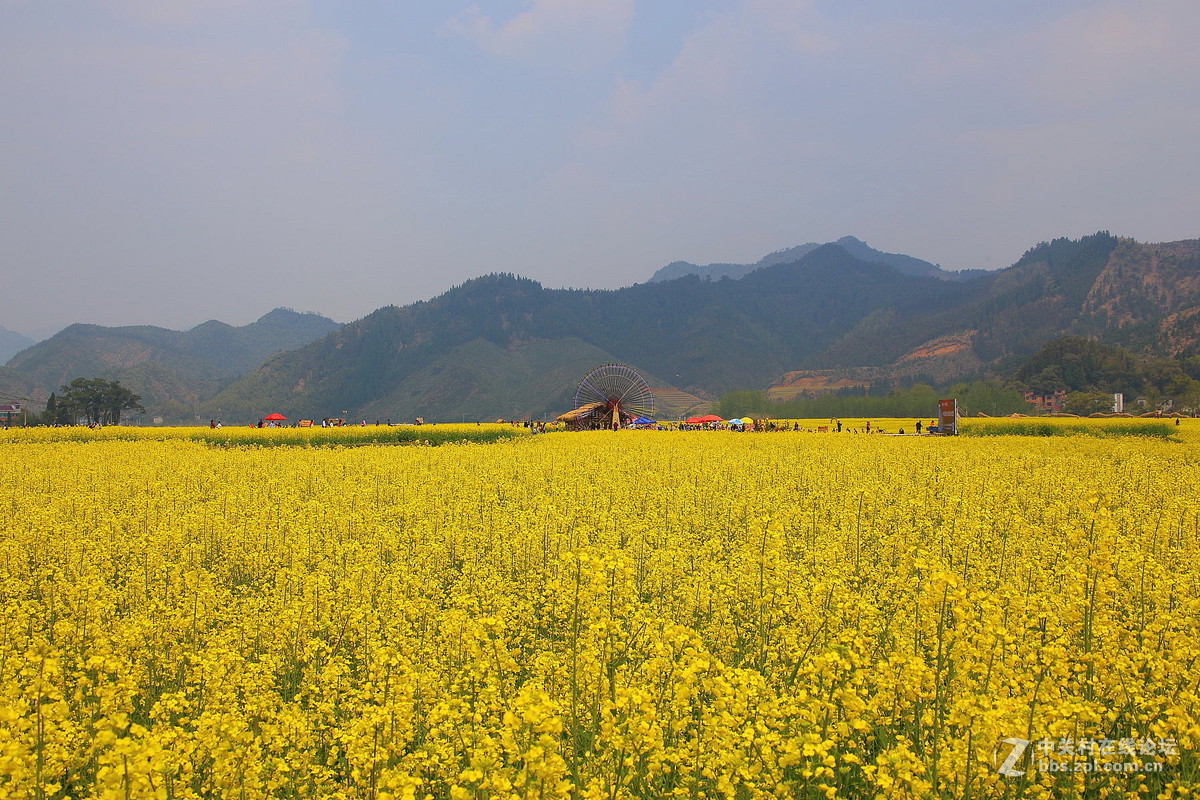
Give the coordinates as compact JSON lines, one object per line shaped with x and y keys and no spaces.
{"x":644,"y":421}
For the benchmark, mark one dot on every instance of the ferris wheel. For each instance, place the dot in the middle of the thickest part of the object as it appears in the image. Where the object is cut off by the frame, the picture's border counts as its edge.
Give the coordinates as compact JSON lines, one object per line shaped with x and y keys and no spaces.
{"x":617,"y":393}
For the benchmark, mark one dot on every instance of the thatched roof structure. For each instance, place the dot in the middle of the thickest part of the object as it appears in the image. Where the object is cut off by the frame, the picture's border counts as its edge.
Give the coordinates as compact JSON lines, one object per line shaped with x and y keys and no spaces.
{"x":581,"y":413}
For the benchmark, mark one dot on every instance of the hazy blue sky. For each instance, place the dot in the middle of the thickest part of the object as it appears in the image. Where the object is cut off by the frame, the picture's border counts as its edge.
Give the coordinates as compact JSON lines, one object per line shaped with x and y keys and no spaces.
{"x":172,"y":162}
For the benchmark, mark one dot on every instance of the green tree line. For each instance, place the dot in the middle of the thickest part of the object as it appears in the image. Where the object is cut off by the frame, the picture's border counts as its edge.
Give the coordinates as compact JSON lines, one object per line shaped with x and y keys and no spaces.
{"x":92,"y":401}
{"x":919,"y":400}
{"x":1088,"y":372}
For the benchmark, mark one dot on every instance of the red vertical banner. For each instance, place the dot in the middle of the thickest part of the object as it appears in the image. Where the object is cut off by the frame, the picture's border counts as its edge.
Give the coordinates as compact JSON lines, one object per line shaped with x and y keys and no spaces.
{"x":948,"y":416}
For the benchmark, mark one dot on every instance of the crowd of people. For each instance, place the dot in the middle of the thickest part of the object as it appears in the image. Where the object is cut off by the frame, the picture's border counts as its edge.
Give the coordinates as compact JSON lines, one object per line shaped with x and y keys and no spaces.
{"x":770,"y":426}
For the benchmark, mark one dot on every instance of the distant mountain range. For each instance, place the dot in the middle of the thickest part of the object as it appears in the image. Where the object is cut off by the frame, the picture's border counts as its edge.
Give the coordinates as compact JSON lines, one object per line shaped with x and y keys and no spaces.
{"x":12,"y":343}
{"x":508,"y":346}
{"x":855,"y":247}
{"x":504,"y":346}
{"x":172,"y":370}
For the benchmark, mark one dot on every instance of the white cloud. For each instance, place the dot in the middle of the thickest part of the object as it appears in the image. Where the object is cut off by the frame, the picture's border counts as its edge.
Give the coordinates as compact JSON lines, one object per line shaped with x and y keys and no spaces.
{"x":958,"y":142}
{"x":1119,"y":51}
{"x":576,"y":33}
{"x":725,"y":66}
{"x":794,"y":21}
{"x":1067,"y":125}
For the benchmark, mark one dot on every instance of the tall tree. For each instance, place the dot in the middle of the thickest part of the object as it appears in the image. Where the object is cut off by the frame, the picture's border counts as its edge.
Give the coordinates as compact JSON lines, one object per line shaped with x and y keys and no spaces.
{"x":56,"y":413}
{"x":98,"y":401}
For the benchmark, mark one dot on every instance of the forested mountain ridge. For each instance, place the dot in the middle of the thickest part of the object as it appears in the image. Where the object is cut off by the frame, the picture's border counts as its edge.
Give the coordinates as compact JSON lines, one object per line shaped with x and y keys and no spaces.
{"x":705,"y":337}
{"x":826,"y":311}
{"x":855,"y":247}
{"x":171,"y":370}
{"x":1142,"y":296}
{"x":12,"y":343}
{"x":1144,"y":284}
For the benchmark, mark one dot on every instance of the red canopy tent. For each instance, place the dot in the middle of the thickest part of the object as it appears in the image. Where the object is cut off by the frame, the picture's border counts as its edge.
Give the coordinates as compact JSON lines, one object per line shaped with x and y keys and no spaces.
{"x":274,"y":418}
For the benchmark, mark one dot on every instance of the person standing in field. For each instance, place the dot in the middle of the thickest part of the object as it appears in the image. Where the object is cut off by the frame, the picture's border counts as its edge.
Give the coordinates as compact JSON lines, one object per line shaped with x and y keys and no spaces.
{"x":918,"y":427}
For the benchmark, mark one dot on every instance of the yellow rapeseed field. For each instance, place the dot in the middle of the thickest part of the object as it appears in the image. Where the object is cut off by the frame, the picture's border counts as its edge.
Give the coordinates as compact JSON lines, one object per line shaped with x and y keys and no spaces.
{"x":249,"y":436}
{"x":601,"y":615}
